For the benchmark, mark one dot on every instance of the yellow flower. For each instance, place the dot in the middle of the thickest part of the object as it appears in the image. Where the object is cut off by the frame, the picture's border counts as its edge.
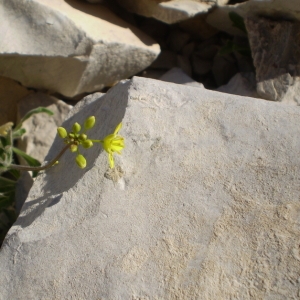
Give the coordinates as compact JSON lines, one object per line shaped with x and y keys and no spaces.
{"x":113,"y":143}
{"x":4,"y":128}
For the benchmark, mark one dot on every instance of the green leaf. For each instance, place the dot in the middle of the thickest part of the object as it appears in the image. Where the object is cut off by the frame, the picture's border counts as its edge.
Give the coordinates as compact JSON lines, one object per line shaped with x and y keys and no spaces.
{"x":18,"y":133}
{"x":6,"y":181}
{"x":237,"y":21}
{"x":32,"y":112}
{"x":30,"y":160}
{"x":15,"y":173}
{"x":7,"y":199}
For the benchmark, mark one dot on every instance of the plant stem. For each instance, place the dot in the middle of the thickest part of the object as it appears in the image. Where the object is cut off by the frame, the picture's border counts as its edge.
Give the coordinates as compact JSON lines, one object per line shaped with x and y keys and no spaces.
{"x":96,"y":141}
{"x":47,"y":166}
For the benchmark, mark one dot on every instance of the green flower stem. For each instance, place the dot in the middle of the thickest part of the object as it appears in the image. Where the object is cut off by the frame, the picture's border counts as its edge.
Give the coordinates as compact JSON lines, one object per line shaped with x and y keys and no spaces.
{"x":96,"y":141}
{"x":47,"y":166}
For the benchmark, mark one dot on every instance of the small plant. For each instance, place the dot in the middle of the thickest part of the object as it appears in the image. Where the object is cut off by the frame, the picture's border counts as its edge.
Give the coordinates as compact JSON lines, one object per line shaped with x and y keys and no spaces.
{"x":111,"y":143}
{"x":74,"y":140}
{"x":230,"y":45}
{"x":10,"y":176}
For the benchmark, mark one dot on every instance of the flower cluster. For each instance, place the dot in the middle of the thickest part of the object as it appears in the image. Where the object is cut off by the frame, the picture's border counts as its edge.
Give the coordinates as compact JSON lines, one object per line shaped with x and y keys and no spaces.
{"x":111,"y":143}
{"x":75,"y":138}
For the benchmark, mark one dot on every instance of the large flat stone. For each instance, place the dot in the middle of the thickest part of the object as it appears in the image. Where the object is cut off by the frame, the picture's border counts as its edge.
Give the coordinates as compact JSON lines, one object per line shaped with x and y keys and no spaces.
{"x":208,"y":207}
{"x":69,"y":47}
{"x":278,"y":9}
{"x":170,"y":11}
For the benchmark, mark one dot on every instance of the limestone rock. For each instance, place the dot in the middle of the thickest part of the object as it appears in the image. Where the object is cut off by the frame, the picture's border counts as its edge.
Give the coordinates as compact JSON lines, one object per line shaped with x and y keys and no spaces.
{"x":243,"y":84}
{"x":207,"y":207}
{"x":40,"y":128}
{"x":11,"y":93}
{"x":219,"y":18}
{"x":69,"y":47}
{"x":170,"y":11}
{"x":275,"y":48}
{"x":176,"y":75}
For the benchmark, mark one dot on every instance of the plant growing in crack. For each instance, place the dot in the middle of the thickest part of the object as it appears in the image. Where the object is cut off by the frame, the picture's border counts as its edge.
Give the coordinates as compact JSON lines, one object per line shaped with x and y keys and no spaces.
{"x":74,"y":140}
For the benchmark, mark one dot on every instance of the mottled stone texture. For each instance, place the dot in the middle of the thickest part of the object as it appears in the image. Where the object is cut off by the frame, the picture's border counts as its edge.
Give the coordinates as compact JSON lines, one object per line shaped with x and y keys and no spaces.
{"x":207,"y":207}
{"x":275,"y":46}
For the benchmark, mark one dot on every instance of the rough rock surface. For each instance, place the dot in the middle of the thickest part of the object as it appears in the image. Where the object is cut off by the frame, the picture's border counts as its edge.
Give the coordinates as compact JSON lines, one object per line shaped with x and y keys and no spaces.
{"x":207,"y":208}
{"x":40,"y":128}
{"x":69,"y":47}
{"x":11,"y":93}
{"x":273,"y":8}
{"x":170,"y":11}
{"x":277,"y":64}
{"x":176,"y":75}
{"x":243,"y":84}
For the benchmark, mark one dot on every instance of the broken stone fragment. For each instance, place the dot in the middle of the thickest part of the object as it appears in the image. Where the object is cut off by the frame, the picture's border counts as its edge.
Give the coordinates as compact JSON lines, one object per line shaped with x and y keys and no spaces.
{"x":170,"y":11}
{"x":275,"y":48}
{"x":69,"y":47}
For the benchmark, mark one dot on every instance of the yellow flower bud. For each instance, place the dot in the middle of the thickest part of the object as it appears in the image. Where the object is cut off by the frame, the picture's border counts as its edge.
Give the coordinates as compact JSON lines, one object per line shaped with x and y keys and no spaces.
{"x":5,"y":128}
{"x":89,"y":122}
{"x":73,"y":148}
{"x":87,"y":144}
{"x":81,"y":161}
{"x":82,"y":137}
{"x":71,"y":135}
{"x":62,"y":132}
{"x":76,"y":128}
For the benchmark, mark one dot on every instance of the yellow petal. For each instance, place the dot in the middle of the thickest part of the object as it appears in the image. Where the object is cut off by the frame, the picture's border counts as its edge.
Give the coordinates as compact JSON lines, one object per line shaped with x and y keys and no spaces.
{"x":4,"y":128}
{"x":116,"y":148}
{"x":111,"y":160}
{"x":118,"y":128}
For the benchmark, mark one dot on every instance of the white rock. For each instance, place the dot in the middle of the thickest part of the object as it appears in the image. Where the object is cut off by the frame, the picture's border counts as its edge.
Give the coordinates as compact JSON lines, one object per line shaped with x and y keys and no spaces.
{"x":219,"y":17}
{"x":208,"y":207}
{"x":241,"y":84}
{"x":170,"y":11}
{"x":41,"y":128}
{"x":69,"y":48}
{"x":176,"y":75}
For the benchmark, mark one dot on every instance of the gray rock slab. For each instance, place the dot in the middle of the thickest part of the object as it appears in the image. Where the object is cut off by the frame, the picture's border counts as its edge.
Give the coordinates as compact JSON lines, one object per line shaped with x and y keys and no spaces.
{"x":170,"y":11}
{"x":69,"y":47}
{"x":208,"y":206}
{"x":219,"y":17}
{"x":243,"y":84}
{"x":275,"y":48}
{"x":176,"y":75}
